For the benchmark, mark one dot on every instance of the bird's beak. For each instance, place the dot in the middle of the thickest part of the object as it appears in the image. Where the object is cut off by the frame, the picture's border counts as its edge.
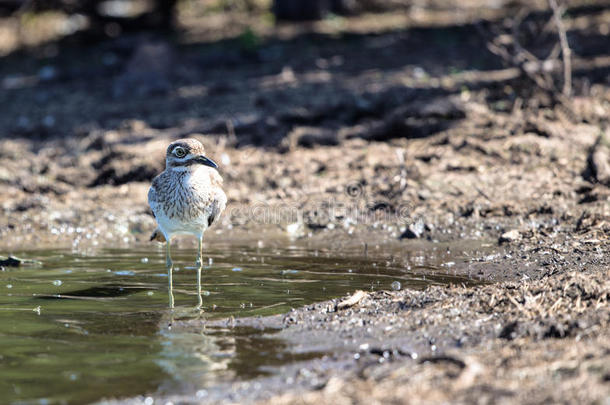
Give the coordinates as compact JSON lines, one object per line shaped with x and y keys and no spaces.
{"x":206,"y":161}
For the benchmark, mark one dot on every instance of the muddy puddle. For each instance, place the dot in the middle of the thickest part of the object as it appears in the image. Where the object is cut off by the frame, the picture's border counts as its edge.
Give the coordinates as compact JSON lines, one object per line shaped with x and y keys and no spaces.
{"x":83,"y":327}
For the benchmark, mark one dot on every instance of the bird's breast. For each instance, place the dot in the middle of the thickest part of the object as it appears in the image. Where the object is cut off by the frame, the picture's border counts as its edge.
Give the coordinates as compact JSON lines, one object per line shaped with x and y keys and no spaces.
{"x":192,"y":197}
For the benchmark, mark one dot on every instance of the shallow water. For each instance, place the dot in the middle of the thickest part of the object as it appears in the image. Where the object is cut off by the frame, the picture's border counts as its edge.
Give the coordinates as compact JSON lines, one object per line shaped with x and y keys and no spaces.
{"x":80,"y":328}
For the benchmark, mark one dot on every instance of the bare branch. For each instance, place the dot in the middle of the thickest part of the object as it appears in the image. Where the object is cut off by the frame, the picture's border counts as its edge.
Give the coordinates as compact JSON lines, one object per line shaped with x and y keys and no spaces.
{"x":566,"y":52}
{"x":540,"y":71}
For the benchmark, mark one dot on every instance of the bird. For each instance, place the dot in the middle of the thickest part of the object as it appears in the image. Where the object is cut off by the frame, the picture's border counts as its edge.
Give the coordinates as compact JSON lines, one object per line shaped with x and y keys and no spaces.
{"x":186,"y":198}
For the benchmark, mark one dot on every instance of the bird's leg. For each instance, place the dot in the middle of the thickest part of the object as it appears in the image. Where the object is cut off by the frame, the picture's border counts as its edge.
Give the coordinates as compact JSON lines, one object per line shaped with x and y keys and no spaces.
{"x":170,"y":270}
{"x":199,"y":262}
{"x":199,"y":266}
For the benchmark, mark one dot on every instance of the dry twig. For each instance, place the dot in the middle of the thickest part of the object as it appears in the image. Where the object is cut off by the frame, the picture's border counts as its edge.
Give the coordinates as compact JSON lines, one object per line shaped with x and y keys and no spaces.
{"x":508,"y":47}
{"x":566,"y":53}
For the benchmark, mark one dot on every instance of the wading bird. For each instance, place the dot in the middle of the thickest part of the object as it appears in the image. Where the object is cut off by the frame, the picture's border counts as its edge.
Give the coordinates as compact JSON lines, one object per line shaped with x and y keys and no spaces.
{"x":186,"y":198}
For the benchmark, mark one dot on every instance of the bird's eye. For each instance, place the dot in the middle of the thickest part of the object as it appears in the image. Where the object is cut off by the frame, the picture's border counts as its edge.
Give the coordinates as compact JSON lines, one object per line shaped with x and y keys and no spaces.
{"x":180,"y":152}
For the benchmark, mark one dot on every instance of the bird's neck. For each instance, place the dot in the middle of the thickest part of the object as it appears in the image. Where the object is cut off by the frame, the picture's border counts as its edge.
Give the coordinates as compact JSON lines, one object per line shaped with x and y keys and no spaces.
{"x":194,"y":172}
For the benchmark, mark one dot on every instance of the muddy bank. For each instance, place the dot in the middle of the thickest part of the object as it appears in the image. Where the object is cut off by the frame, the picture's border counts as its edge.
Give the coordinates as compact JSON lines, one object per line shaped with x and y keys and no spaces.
{"x":527,"y":342}
{"x":514,"y":342}
{"x":442,"y":188}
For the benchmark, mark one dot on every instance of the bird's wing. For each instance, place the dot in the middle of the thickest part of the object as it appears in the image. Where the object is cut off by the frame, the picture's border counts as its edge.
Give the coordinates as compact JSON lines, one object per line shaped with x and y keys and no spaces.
{"x":217,"y":206}
{"x":219,"y":201}
{"x":152,"y":197}
{"x":153,"y":202}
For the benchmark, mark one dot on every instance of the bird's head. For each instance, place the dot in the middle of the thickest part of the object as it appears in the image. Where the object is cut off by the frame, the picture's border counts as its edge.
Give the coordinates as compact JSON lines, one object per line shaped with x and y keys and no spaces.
{"x":187,"y":153}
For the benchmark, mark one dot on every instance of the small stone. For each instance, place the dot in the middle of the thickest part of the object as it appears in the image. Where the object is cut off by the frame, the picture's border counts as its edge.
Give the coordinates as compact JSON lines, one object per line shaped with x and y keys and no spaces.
{"x":599,"y":160}
{"x":13,"y":261}
{"x":510,"y":236}
{"x":424,"y":194}
{"x":414,"y":231}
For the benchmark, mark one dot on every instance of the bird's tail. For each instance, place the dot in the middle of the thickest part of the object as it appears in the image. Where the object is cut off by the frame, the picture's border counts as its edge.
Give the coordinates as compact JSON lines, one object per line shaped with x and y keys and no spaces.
{"x":157,"y":235}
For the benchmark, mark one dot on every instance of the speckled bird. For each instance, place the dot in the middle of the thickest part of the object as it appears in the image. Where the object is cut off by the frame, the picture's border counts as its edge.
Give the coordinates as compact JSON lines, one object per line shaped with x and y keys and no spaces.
{"x":186,"y":198}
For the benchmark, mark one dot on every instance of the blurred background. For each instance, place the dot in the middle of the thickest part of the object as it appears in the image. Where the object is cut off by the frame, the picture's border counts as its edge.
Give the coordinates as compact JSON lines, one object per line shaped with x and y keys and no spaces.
{"x":271,"y":65}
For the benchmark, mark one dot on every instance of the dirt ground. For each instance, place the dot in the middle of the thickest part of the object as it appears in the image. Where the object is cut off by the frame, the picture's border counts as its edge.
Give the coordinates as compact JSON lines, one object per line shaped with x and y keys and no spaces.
{"x":372,"y":130}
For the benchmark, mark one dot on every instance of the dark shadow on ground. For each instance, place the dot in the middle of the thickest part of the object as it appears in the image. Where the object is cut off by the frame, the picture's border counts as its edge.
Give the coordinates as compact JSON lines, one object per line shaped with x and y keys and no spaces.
{"x":398,"y":83}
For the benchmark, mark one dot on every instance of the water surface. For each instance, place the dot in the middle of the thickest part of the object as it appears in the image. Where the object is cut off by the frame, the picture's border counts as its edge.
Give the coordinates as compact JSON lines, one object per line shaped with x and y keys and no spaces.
{"x":79,"y":328}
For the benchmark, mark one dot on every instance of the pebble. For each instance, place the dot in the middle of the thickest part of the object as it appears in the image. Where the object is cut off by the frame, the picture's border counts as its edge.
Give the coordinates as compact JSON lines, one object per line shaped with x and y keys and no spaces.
{"x":510,"y":236}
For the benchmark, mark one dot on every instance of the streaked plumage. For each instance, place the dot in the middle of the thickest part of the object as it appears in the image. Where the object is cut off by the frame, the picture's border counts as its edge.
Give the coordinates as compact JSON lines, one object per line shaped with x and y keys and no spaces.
{"x":187,"y":197}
